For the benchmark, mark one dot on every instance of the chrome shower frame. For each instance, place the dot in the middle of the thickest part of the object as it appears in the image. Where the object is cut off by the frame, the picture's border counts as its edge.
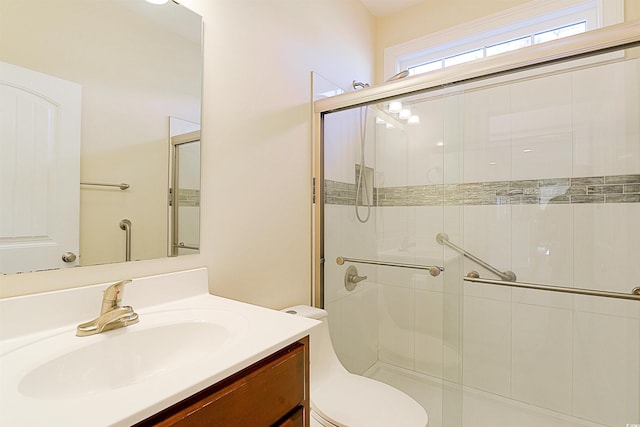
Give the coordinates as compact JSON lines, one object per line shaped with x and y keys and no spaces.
{"x":587,"y":44}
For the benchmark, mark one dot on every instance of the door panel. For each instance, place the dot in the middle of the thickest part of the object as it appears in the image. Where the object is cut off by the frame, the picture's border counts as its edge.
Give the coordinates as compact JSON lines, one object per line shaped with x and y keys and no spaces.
{"x":39,"y":170}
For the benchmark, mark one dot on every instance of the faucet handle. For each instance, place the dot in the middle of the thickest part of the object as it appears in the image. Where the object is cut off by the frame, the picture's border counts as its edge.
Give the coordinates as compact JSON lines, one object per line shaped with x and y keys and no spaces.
{"x":356,"y":279}
{"x":351,"y":278}
{"x":112,"y":296}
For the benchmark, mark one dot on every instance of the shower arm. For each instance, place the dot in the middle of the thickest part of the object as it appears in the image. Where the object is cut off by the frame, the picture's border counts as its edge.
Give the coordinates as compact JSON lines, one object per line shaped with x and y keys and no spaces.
{"x":443,"y":239}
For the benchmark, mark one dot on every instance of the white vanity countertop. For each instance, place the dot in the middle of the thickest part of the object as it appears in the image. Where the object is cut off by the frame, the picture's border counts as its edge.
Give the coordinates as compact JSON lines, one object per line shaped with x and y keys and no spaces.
{"x":257,"y":332}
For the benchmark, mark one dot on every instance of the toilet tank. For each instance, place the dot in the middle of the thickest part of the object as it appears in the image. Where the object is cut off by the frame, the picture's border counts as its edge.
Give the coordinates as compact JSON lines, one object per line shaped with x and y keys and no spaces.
{"x":323,"y":360}
{"x":307,"y":311}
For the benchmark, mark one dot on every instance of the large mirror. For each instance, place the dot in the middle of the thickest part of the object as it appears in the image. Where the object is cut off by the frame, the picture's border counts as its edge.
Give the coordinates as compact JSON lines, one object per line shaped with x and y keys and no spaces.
{"x":88,"y":90}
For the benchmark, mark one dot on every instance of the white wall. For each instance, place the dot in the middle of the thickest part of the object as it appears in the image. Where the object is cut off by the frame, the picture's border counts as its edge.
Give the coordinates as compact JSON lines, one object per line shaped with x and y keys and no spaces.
{"x":256,"y":146}
{"x":256,"y":136}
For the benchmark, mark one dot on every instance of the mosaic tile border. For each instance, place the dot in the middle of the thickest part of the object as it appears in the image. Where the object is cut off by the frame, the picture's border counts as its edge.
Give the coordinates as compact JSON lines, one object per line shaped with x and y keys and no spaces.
{"x":595,"y":189}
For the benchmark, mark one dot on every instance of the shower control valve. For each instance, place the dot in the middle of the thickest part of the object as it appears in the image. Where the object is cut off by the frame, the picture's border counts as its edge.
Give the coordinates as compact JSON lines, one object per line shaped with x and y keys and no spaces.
{"x":351,"y":278}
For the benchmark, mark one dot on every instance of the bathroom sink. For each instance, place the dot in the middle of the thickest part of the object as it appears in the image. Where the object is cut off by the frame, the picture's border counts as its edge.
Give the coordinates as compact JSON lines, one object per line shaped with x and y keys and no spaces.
{"x":65,"y":366}
{"x":186,"y":340}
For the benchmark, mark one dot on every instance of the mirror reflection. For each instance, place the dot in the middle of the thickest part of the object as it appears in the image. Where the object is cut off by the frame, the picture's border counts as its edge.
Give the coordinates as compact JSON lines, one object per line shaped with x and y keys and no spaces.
{"x":87,"y":90}
{"x":184,"y":188}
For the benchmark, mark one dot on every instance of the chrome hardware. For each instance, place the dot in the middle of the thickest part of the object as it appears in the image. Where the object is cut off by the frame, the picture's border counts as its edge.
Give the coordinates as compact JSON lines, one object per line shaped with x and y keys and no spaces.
{"x":68,"y":257}
{"x":112,"y":314}
{"x":183,"y":246}
{"x":125,"y":225}
{"x":122,"y":186}
{"x":351,"y":278}
{"x":634,"y":295}
{"x":434,"y":270}
{"x":359,"y":85}
{"x":443,"y":239}
{"x":313,"y":190}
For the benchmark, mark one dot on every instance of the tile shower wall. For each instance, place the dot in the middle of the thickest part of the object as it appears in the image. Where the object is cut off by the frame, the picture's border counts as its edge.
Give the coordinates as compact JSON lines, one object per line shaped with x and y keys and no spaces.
{"x":353,"y":316}
{"x":578,"y":136}
{"x":539,"y":176}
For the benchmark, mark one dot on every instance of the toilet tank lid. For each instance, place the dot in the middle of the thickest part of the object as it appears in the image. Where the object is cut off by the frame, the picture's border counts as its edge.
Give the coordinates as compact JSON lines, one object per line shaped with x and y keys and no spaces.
{"x":306,"y":311}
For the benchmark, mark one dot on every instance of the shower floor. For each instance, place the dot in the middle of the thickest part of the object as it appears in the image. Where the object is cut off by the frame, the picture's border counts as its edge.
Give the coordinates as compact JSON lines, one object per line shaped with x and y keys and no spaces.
{"x":480,"y":409}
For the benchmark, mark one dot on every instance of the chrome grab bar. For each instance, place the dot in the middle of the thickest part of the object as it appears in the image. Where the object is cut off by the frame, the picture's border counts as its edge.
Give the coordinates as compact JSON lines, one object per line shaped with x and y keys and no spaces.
{"x":125,"y":225}
{"x":473,"y":276}
{"x":181,"y":245}
{"x":122,"y":186}
{"x":443,"y":239}
{"x":434,"y":270}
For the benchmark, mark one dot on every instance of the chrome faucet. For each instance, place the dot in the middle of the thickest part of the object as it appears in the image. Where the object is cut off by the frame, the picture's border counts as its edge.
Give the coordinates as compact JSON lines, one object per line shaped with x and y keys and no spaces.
{"x":112,"y":314}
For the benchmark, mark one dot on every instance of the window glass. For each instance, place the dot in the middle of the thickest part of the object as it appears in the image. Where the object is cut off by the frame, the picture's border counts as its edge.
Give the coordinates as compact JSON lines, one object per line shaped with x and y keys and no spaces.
{"x":508,"y":46}
{"x":425,"y":68}
{"x":558,"y":33}
{"x":519,"y":43}
{"x":463,"y":57}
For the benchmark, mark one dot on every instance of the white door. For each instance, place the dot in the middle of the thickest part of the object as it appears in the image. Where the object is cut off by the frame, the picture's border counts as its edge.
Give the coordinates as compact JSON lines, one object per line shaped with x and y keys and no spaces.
{"x":39,"y":170}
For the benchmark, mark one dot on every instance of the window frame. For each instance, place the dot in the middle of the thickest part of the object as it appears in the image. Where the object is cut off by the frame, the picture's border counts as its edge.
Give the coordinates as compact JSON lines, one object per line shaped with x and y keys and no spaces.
{"x":533,"y":17}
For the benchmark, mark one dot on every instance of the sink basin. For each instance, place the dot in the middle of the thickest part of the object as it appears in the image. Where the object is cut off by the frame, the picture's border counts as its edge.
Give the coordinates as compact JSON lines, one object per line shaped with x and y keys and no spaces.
{"x":65,"y":366}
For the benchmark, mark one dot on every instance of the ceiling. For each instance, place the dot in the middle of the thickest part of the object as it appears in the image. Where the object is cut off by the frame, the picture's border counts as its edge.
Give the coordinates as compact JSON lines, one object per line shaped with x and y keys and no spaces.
{"x":387,"y":7}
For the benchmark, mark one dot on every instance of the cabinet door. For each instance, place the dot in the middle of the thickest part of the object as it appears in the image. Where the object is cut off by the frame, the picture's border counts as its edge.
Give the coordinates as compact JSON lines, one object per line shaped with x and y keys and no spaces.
{"x":272,"y":392}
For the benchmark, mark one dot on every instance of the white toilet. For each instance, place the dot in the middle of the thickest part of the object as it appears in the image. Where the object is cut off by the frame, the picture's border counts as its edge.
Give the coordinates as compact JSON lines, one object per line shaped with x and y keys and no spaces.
{"x":342,"y":399}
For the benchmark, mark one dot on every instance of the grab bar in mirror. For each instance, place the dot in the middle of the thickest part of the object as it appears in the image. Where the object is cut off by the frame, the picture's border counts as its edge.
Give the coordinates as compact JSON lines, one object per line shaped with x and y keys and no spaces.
{"x":183,"y":246}
{"x":443,"y":239}
{"x":121,"y":186}
{"x":474,"y":277}
{"x":434,"y":270}
{"x":125,"y":225}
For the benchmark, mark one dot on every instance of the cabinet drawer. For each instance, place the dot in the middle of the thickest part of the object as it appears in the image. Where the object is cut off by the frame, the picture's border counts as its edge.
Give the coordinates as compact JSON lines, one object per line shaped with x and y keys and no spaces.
{"x":260,"y":395}
{"x":296,"y":419}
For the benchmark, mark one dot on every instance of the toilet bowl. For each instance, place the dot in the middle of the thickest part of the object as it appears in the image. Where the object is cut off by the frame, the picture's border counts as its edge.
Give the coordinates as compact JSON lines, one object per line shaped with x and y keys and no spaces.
{"x":341,"y":399}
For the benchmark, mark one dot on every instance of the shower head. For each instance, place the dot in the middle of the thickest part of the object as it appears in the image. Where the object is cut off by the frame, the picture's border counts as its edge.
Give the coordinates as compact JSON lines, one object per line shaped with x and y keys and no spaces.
{"x":360,"y":85}
{"x":401,"y":75}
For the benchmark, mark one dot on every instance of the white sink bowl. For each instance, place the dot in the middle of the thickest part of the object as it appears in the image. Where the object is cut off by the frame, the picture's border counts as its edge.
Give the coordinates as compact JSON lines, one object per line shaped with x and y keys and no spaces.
{"x":65,"y":366}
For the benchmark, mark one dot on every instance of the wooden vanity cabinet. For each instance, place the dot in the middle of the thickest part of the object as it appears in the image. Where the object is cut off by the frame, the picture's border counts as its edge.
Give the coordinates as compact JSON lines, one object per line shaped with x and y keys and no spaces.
{"x":271,"y":392}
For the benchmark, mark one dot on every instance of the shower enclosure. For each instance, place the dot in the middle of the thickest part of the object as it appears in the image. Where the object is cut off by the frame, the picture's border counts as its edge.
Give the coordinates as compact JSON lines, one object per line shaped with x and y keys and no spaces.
{"x":184,"y":187}
{"x":518,"y":170}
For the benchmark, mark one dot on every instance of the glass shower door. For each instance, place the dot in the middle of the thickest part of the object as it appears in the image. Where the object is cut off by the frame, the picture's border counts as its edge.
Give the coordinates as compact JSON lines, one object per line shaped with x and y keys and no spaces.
{"x":184,"y":203}
{"x":390,"y":327}
{"x":535,"y":172}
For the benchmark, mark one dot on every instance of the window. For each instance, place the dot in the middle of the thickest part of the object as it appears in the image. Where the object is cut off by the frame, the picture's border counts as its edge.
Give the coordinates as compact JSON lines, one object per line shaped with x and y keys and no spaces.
{"x":558,"y":33}
{"x":508,"y":46}
{"x":535,"y":22}
{"x":541,"y":37}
